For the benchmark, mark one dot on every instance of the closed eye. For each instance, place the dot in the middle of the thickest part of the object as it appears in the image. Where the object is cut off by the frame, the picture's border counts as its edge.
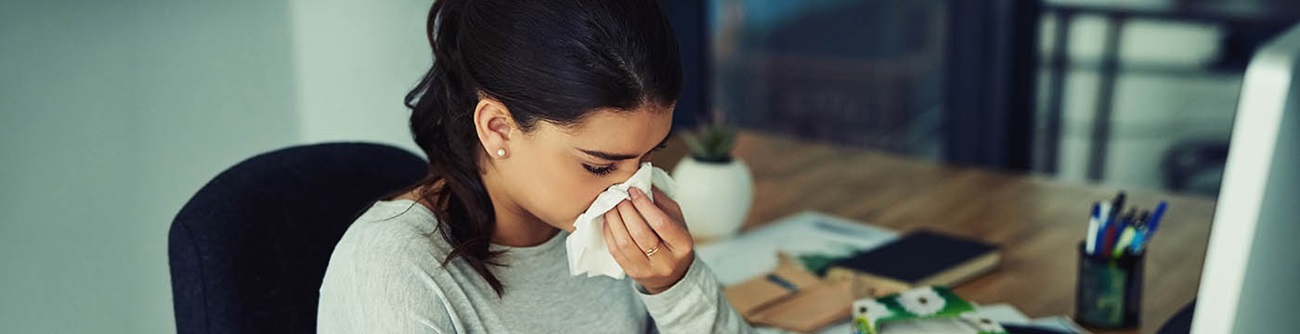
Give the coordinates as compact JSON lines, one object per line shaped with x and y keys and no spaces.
{"x":599,"y":170}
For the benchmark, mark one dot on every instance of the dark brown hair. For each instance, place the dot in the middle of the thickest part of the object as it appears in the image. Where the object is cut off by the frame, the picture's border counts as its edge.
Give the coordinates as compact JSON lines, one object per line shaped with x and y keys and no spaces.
{"x":547,"y":60}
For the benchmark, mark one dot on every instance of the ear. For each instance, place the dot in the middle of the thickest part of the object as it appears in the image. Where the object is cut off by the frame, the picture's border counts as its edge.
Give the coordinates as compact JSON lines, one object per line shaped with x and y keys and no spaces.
{"x":494,"y":125}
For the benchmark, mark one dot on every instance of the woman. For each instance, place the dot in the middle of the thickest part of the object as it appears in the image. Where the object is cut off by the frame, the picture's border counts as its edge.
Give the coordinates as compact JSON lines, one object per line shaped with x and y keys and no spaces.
{"x":531,"y":109}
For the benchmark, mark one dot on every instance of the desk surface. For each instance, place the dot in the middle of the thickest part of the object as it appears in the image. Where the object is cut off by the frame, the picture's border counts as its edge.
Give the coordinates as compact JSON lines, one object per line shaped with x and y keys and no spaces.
{"x":1037,"y":222}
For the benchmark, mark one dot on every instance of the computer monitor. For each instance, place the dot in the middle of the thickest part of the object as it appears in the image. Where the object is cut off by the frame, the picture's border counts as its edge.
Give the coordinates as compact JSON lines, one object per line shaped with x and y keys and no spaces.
{"x":1251,"y":279}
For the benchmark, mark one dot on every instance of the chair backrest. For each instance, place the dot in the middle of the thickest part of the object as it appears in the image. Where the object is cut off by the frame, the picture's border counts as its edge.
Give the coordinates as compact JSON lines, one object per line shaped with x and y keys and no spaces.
{"x":249,"y":250}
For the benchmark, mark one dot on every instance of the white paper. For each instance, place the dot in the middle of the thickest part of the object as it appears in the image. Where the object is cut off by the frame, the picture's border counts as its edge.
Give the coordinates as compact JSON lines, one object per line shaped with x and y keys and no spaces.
{"x":753,"y":253}
{"x":588,"y":253}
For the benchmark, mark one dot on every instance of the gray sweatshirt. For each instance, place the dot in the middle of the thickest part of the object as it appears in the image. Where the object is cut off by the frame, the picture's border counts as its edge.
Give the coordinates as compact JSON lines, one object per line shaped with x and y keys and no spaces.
{"x":386,"y":276}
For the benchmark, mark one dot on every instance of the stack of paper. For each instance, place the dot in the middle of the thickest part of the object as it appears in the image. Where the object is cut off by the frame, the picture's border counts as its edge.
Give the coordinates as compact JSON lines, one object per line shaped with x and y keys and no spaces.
{"x":754,"y":253}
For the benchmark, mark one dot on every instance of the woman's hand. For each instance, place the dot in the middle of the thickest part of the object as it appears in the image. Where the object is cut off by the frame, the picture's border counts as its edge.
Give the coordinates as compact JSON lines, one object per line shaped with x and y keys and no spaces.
{"x":649,"y":240}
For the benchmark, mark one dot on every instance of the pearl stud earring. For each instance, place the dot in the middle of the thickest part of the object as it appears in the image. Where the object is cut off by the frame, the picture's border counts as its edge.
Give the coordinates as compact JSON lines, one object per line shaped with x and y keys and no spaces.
{"x":501,"y":152}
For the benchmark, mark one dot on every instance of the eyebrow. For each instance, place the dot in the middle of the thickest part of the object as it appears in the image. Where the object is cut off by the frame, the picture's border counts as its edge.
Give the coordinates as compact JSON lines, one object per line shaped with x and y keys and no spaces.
{"x":623,"y":156}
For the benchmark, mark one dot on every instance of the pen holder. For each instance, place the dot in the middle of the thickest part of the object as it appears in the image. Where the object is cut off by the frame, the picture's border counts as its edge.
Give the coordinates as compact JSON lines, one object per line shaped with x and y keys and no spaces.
{"x":1109,"y":291}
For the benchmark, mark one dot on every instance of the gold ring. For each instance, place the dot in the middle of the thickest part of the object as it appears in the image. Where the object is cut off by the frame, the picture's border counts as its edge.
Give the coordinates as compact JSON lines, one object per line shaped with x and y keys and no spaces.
{"x":652,"y":251}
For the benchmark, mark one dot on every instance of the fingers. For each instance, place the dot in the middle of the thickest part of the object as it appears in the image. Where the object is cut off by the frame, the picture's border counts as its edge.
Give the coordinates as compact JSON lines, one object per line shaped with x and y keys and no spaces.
{"x":613,"y":248}
{"x":633,"y":256}
{"x":669,"y":229}
{"x":668,"y":204}
{"x":641,"y":233}
{"x":639,"y":218}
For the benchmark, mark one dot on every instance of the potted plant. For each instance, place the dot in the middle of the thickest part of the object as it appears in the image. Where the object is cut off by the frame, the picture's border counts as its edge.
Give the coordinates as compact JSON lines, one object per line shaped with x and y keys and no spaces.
{"x":714,"y":188}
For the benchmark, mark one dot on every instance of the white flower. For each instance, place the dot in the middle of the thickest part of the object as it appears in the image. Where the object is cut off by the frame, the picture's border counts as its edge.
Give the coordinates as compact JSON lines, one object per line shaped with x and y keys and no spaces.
{"x":983,"y":324}
{"x":922,"y":302}
{"x":870,"y":309}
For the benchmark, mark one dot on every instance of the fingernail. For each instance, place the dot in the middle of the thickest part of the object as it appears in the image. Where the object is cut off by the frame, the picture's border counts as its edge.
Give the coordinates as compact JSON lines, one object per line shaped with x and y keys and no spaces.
{"x":635,"y":193}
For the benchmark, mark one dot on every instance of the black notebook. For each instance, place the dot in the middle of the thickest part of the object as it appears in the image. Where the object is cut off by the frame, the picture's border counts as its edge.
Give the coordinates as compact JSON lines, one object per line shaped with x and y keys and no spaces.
{"x":918,"y":259}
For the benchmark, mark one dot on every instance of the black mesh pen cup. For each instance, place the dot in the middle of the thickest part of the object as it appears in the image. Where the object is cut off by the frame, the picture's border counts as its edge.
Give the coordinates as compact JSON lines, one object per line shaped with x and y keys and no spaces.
{"x":1109,"y":290}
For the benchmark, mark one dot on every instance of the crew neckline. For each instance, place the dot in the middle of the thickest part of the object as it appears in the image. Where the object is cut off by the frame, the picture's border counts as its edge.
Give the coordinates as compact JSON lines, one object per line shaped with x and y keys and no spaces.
{"x":554,"y":241}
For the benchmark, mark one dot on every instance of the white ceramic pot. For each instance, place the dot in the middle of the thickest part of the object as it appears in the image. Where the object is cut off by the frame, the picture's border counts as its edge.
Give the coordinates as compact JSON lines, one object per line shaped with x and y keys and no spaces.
{"x":715,"y":197}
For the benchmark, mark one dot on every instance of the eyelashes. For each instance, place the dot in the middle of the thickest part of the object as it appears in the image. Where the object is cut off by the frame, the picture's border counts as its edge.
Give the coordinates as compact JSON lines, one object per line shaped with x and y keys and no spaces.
{"x":599,"y":170}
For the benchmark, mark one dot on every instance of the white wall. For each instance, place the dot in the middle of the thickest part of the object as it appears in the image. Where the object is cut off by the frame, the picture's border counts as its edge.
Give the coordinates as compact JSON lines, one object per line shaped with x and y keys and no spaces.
{"x":354,"y":63}
{"x":113,"y":113}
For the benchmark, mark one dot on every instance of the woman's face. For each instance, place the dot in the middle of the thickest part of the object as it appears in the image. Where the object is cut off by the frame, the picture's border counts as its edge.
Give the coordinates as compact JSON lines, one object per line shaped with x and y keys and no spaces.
{"x":555,"y":172}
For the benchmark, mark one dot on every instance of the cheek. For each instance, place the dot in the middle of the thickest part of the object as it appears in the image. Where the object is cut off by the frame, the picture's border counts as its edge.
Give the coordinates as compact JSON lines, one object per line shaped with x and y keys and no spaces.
{"x":571,"y":191}
{"x":568,"y":198}
{"x":556,"y":189}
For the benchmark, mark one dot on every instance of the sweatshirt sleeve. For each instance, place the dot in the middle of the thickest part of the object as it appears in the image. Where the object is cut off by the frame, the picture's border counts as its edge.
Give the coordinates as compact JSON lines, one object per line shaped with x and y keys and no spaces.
{"x":694,"y":305}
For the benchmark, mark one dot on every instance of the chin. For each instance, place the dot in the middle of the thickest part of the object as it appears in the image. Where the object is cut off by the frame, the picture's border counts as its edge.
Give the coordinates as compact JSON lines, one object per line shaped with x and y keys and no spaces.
{"x":567,"y":226}
{"x":563,"y":224}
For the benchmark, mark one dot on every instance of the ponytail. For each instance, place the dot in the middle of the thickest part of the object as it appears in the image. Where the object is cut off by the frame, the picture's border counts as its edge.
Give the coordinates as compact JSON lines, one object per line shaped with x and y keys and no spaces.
{"x":442,"y":124}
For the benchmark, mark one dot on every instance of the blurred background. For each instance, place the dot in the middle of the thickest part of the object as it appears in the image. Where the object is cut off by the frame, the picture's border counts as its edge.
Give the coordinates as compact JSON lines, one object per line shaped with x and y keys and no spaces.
{"x":113,"y":114}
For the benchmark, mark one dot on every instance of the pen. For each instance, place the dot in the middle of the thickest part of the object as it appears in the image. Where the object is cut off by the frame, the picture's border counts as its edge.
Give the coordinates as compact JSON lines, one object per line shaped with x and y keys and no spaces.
{"x":1128,"y":218}
{"x":1153,"y":224}
{"x":1090,"y":240}
{"x":1115,"y":232}
{"x":1106,"y":239}
{"x":1125,"y":239}
{"x":1116,"y":246}
{"x":1103,"y":222}
{"x":1139,"y":231}
{"x":1116,"y":207}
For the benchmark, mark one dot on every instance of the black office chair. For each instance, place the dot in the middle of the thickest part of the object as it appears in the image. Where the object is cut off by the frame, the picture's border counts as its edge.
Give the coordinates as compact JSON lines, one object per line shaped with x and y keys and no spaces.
{"x":1181,"y":322}
{"x":249,"y":250}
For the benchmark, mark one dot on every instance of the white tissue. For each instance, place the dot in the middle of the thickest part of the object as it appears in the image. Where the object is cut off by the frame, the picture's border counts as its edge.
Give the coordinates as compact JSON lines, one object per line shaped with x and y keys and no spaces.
{"x":586,"y":245}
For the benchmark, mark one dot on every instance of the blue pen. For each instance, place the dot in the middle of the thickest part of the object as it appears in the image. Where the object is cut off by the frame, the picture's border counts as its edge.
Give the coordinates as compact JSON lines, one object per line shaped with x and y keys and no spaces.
{"x":1103,"y":221}
{"x":1154,"y":223}
{"x":1140,"y":231}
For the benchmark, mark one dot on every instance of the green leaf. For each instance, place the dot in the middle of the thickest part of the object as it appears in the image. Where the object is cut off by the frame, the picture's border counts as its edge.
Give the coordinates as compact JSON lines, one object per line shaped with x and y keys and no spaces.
{"x":693,"y":143}
{"x":711,"y":142}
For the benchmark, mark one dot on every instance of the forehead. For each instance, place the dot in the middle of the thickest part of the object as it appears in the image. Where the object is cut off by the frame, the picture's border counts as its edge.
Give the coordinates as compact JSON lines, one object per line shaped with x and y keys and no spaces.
{"x":621,"y":131}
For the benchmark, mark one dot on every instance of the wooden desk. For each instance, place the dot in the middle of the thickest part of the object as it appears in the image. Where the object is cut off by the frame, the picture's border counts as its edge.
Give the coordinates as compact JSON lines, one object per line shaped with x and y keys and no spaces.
{"x":1037,"y":222}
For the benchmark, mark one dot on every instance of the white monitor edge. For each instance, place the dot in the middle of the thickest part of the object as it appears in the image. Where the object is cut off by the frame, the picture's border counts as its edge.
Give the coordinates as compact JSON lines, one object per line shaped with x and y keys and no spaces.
{"x":1264,"y":98}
